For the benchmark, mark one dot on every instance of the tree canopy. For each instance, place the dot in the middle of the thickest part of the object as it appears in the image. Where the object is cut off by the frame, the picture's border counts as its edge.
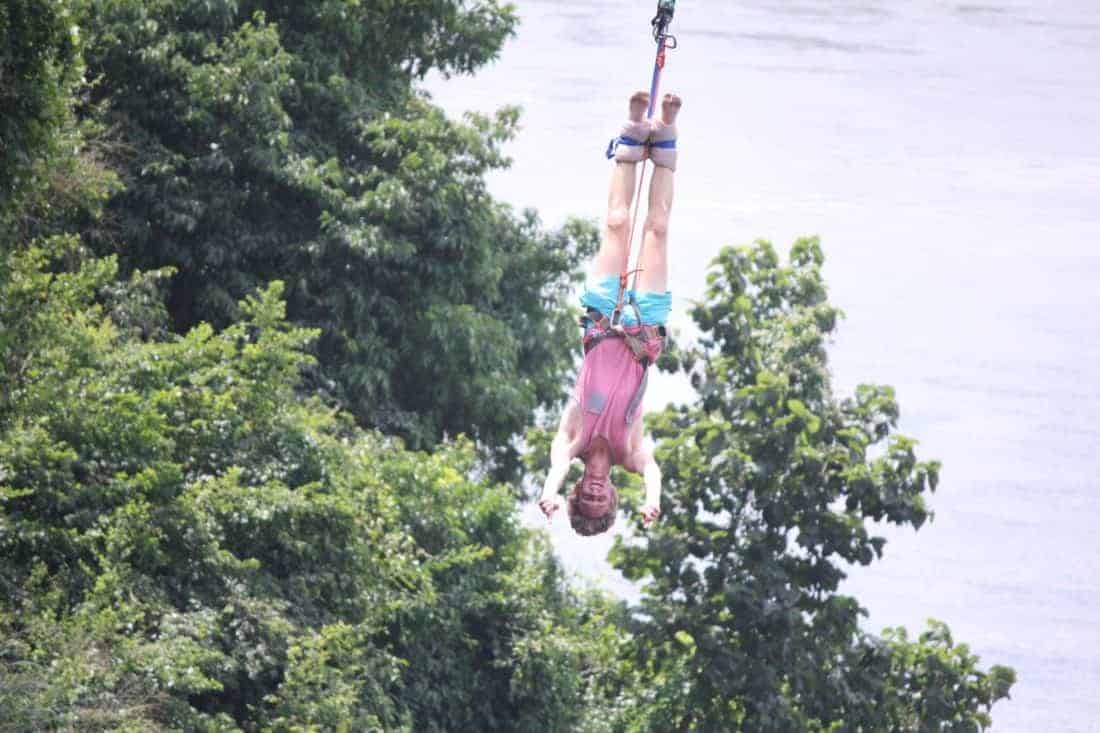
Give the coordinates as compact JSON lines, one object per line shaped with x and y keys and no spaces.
{"x":222,"y":554}
{"x":286,"y":141}
{"x":253,"y":295}
{"x":772,"y":481}
{"x":39,"y":63}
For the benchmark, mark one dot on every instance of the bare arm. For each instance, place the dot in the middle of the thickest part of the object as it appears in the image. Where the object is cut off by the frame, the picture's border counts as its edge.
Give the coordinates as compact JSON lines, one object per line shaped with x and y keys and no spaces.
{"x":561,"y":454}
{"x":642,"y":461}
{"x":652,"y":475}
{"x":559,"y":465}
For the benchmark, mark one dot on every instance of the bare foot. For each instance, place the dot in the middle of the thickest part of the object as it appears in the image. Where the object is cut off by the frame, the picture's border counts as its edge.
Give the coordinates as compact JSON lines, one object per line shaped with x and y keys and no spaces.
{"x":663,"y":137}
{"x":639,"y":104}
{"x":631,"y":144}
{"x":670,"y":107}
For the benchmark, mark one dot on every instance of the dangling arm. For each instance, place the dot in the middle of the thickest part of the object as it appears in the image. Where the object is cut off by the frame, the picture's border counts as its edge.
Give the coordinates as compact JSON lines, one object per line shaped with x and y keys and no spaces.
{"x":651,"y":510}
{"x":642,"y":461}
{"x":561,"y":454}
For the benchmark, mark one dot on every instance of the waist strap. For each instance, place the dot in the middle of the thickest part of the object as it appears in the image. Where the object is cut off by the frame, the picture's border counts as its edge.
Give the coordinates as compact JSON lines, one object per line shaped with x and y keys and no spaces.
{"x":636,"y":342}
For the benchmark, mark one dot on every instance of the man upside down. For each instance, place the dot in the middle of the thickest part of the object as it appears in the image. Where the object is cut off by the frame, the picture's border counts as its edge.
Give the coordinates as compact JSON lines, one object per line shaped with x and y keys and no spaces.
{"x":602,"y":423}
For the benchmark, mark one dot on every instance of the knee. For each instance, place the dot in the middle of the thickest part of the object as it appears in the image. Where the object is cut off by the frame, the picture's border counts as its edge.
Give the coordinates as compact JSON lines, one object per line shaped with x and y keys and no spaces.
{"x":618,"y":218}
{"x":657,"y":223}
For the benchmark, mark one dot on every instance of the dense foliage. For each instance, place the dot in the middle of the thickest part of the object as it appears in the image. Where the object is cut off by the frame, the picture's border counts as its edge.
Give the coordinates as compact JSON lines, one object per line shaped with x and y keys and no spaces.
{"x":221,"y":554}
{"x":284,"y":141}
{"x":38,"y":66}
{"x":771,"y":481}
{"x":244,"y":268}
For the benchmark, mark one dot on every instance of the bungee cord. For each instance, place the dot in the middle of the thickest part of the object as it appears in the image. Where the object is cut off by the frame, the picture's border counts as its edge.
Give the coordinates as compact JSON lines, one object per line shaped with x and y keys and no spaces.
{"x":666,"y":9}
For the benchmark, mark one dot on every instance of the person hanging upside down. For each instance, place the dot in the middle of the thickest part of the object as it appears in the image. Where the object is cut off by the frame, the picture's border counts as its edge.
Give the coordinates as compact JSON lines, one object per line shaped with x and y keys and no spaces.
{"x":602,"y":423}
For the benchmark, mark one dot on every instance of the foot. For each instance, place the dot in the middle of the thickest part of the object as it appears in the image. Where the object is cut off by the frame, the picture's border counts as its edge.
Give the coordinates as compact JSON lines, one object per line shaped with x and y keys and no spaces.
{"x":632,"y":139}
{"x":663,"y":139}
{"x":639,"y":104}
{"x":670,"y":107}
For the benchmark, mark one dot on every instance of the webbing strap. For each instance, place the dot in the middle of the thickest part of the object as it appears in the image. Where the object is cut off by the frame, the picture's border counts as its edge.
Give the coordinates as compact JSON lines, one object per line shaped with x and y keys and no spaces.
{"x":621,"y":140}
{"x":636,"y":399}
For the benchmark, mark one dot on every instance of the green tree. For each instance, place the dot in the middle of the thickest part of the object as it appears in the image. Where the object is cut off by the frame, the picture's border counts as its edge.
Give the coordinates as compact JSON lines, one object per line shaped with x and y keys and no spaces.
{"x":193,"y":536}
{"x":39,"y":64}
{"x":186,"y":544}
{"x":286,"y":141}
{"x":771,"y":481}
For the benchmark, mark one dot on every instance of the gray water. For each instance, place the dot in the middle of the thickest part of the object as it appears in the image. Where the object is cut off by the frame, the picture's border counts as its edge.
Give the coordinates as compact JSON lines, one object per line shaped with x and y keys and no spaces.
{"x":948,"y":154}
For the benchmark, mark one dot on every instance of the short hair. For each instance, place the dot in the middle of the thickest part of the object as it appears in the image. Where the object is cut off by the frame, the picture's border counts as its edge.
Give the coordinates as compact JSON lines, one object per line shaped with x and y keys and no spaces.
{"x":589,"y":526}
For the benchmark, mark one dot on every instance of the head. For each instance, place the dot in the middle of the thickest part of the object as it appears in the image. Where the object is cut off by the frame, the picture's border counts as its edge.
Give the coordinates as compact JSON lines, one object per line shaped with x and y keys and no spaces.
{"x":593,"y":502}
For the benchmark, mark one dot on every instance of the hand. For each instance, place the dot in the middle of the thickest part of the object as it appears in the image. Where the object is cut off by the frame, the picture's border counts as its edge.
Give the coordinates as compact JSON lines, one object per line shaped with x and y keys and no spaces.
{"x":549,"y":505}
{"x":650,"y":513}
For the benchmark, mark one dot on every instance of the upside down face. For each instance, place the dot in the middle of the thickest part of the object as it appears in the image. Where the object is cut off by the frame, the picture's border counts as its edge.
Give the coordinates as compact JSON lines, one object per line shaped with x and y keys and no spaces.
{"x":593,"y":504}
{"x":594,"y":496}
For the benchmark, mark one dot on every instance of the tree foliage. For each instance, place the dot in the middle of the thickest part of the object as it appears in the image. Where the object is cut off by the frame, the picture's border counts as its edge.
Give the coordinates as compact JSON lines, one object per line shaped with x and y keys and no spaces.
{"x":39,"y":64}
{"x":242,"y":244}
{"x":285,"y":141}
{"x":223,"y":555}
{"x":772,"y":483}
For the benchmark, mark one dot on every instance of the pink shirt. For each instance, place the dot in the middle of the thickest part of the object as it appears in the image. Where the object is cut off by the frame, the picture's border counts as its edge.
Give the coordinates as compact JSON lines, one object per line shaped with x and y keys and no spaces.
{"x":608,"y":381}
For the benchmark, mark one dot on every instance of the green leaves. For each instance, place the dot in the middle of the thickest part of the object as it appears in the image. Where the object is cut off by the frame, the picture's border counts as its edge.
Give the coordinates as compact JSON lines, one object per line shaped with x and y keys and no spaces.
{"x":194,"y":545}
{"x":40,"y":65}
{"x":772,"y":482}
{"x":199,"y":533}
{"x":933,"y":679}
{"x":286,"y":142}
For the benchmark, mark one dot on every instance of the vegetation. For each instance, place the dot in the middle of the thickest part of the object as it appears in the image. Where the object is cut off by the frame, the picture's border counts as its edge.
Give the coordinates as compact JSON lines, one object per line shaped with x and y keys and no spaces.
{"x":771,"y":483}
{"x":252,"y":292}
{"x":285,"y":141}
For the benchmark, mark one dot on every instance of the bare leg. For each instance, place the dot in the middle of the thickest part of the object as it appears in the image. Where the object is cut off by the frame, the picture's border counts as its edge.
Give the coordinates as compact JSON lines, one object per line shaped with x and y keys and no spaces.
{"x":611,"y":259}
{"x":615,"y":247}
{"x":654,"y":256}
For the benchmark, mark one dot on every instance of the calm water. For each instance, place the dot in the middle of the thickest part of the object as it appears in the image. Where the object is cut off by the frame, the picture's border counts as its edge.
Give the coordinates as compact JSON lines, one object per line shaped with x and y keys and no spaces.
{"x":949,"y":156}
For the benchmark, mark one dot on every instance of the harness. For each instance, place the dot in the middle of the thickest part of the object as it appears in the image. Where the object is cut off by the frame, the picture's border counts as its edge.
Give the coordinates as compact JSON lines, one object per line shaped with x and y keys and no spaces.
{"x":636,"y":342}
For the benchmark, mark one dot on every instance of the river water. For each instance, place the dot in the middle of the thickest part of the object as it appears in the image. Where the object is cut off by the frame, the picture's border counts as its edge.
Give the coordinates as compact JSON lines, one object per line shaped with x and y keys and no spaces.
{"x":948,"y":154}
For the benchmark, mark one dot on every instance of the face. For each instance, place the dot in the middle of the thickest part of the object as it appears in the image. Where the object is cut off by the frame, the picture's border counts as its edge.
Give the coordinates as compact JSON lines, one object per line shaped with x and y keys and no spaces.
{"x":594,"y":494}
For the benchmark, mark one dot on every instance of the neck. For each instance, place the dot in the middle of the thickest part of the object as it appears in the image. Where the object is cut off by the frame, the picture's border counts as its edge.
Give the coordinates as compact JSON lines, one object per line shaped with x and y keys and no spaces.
{"x":598,"y":460}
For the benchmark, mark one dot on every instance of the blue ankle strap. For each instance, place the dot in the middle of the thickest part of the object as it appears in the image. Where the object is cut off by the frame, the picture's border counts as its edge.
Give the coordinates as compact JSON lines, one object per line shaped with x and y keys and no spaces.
{"x":621,"y":140}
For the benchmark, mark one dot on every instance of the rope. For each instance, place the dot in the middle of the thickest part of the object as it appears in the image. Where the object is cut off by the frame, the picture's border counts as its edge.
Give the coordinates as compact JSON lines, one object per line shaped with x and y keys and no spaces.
{"x":630,"y":245}
{"x":665,"y":41}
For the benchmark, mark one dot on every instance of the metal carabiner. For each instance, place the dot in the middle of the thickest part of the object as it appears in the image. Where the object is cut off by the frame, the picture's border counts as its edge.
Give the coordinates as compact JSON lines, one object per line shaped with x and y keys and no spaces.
{"x":665,"y":10}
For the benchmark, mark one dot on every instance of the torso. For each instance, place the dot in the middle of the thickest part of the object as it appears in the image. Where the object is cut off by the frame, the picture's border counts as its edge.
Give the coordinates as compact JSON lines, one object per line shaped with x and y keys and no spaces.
{"x":602,"y":402}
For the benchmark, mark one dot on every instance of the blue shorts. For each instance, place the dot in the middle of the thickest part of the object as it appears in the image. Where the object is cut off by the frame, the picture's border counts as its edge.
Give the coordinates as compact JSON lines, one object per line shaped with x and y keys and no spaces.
{"x":603,"y":294}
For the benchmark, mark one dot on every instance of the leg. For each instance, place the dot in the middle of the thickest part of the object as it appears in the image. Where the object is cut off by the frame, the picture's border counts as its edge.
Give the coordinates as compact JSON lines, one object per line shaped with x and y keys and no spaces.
{"x":654,"y":263}
{"x":654,"y":257}
{"x":611,"y":259}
